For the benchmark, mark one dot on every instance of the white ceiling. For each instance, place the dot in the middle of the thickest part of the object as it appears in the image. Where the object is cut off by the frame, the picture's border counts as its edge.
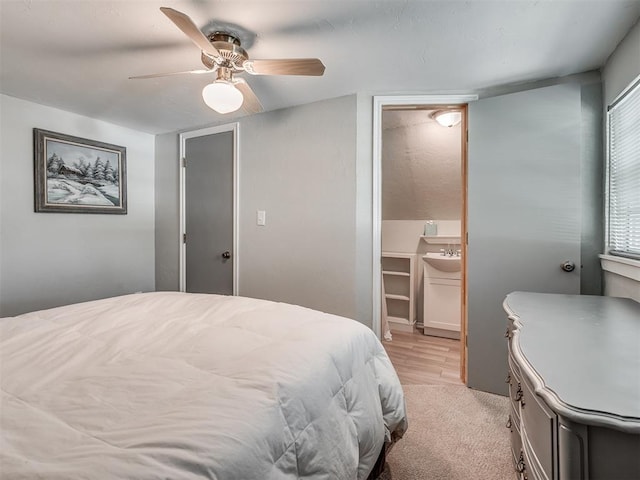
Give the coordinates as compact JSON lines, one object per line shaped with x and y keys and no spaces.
{"x":78,"y":55}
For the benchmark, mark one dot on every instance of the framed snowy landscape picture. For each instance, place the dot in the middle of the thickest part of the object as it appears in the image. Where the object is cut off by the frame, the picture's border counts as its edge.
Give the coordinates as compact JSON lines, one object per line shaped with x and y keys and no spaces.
{"x":77,"y":175}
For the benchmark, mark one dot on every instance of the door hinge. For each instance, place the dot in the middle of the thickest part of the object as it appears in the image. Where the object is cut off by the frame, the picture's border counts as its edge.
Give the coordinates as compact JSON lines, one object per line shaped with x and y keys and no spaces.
{"x":184,"y":162}
{"x":184,"y":238}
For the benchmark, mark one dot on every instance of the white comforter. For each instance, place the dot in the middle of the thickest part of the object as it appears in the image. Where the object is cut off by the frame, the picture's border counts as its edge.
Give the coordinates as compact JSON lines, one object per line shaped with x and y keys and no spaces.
{"x":182,"y":386}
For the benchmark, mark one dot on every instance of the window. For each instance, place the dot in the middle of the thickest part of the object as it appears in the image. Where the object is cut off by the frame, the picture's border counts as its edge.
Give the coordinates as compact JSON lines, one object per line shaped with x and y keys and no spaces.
{"x":623,"y":189}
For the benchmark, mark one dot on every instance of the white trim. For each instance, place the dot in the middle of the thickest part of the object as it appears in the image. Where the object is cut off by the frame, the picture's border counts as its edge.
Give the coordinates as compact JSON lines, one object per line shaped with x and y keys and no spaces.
{"x":625,"y":267}
{"x":607,"y":139}
{"x":235,"y":129}
{"x":380,"y":101}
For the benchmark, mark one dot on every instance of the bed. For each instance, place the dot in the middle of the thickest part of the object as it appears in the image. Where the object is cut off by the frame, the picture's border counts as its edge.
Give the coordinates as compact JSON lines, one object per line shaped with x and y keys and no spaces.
{"x":184,"y":386}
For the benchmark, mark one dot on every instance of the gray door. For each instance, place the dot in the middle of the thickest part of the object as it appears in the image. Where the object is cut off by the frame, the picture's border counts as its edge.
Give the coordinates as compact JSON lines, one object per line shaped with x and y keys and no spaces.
{"x":523,"y":213}
{"x":209,"y":213}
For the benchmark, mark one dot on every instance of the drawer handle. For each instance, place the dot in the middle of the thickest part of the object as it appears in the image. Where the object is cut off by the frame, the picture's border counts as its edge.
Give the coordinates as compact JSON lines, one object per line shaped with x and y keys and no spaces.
{"x":520,"y":395}
{"x":520,"y":466}
{"x":508,"y":379}
{"x":508,"y":425}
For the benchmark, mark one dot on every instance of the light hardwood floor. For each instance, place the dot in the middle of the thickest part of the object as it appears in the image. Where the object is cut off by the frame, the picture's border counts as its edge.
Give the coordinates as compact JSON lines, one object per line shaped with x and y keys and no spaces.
{"x":424,"y":360}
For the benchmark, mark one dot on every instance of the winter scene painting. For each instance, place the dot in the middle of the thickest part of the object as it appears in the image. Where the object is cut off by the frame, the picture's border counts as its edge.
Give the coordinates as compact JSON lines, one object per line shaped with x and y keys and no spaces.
{"x":77,"y":175}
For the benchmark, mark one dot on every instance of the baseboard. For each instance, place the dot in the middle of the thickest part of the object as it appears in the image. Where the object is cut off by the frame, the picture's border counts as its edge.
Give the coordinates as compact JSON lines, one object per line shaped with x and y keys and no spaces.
{"x":438,"y":332}
{"x":400,"y":327}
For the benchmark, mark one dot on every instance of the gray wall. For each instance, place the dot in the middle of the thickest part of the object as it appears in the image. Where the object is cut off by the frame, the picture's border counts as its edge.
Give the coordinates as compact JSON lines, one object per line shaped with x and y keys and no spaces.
{"x":296,"y":164}
{"x":592,"y":181}
{"x":622,"y":66}
{"x":51,"y":259}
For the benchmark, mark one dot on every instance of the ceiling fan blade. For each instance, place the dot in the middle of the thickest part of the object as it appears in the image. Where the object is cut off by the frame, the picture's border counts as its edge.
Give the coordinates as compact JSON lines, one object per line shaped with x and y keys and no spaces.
{"x":155,"y":75}
{"x":293,"y":66}
{"x":184,"y":23}
{"x":251,"y":103}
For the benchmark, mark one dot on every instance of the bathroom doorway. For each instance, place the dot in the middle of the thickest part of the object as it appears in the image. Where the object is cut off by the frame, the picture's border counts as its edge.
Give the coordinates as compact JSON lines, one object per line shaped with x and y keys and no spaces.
{"x":421,"y":149}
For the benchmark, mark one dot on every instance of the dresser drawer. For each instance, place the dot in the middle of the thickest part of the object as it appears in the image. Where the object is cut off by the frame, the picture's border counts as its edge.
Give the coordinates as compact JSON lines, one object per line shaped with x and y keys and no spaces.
{"x":516,"y":438}
{"x":513,"y":366}
{"x":515,"y":390}
{"x":530,"y":463}
{"x":539,"y":435}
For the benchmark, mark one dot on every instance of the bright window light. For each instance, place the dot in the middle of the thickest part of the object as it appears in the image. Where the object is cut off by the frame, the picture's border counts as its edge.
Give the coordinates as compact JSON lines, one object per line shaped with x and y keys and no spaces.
{"x":623,"y":172}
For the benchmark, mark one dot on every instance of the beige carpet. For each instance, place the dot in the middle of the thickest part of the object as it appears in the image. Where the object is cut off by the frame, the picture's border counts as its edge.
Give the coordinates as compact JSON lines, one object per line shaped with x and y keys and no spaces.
{"x":455,"y":433}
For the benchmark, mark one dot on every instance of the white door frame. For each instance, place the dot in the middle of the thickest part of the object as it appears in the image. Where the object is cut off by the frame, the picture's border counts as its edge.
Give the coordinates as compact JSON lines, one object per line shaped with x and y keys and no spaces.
{"x":380,"y":101}
{"x":235,"y":129}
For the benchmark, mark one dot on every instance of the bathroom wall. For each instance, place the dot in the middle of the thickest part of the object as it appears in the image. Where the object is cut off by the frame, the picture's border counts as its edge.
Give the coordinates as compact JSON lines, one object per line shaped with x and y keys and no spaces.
{"x":404,"y":235}
{"x":421,"y":167}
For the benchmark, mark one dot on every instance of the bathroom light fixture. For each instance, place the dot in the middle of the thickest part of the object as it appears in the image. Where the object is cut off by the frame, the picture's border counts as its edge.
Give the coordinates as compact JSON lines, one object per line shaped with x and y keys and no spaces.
{"x":222,"y":96}
{"x":447,"y":118}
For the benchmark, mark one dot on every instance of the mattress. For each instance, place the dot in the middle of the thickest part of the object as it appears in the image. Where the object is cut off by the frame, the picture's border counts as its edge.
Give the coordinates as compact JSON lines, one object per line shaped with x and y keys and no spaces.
{"x":184,"y":386}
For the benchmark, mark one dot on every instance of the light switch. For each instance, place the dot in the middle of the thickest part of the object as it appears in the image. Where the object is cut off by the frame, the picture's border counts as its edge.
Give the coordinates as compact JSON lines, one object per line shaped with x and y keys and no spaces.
{"x":261,"y":218}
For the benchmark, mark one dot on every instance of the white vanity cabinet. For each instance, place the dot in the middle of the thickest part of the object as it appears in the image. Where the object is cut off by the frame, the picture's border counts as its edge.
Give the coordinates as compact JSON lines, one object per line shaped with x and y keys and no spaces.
{"x":442,"y":295}
{"x":574,"y":386}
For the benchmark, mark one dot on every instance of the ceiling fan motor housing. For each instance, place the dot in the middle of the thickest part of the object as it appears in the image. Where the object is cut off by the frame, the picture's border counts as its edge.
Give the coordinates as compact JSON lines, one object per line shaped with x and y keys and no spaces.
{"x":232,"y":54}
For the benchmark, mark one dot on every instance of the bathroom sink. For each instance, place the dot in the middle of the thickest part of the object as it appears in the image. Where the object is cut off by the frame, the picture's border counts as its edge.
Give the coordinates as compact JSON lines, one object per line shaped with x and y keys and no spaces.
{"x":442,"y":262}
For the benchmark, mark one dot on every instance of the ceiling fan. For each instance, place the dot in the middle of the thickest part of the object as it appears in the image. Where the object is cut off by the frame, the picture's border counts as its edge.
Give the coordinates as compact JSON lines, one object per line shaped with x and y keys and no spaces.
{"x":223,"y":55}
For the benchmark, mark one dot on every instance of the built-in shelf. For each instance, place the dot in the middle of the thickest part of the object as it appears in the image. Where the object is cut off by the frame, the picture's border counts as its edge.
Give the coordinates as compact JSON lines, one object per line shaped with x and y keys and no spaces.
{"x":398,"y":276}
{"x":400,"y":320}
{"x":397,"y":297}
{"x":441,"y":239}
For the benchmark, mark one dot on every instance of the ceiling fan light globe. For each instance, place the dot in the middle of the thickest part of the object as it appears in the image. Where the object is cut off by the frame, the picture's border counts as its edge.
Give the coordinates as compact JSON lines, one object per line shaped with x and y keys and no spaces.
{"x":222,"y":97}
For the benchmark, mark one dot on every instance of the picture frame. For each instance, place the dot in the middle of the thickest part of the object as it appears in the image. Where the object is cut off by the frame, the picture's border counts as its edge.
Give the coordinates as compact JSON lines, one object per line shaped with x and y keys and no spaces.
{"x":78,"y":175}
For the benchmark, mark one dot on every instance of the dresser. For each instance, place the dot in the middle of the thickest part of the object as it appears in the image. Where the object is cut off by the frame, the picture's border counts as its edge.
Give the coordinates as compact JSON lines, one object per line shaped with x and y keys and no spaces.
{"x":574,"y":386}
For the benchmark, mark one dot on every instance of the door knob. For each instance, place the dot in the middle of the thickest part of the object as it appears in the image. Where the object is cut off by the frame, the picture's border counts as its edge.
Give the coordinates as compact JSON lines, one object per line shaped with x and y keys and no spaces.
{"x":568,"y":266}
{"x":226,"y":255}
